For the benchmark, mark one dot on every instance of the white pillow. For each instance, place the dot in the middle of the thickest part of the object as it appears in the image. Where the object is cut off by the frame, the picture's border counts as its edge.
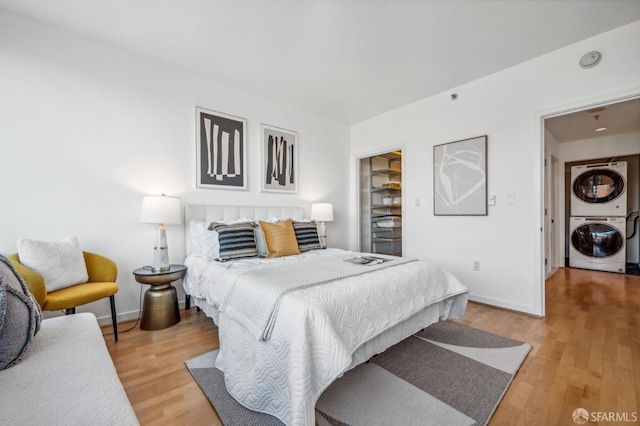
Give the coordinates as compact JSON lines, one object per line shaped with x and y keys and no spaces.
{"x":261,"y":244}
{"x":195,"y":236}
{"x":203,"y":242}
{"x":209,"y":245}
{"x":61,"y":263}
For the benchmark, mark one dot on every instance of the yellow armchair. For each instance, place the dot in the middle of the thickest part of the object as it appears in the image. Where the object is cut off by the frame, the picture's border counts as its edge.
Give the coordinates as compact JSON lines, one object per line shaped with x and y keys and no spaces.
{"x":102,"y":283}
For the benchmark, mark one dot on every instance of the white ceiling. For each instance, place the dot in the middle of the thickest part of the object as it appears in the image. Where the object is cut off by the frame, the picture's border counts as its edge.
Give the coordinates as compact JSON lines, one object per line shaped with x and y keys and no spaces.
{"x":344,"y":59}
{"x":618,"y":118}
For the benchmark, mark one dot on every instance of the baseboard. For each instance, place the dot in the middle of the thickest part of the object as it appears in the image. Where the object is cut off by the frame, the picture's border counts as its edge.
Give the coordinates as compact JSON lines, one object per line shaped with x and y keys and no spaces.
{"x":122,"y":317}
{"x":128,"y":316}
{"x":552,"y":273}
{"x":496,"y":303}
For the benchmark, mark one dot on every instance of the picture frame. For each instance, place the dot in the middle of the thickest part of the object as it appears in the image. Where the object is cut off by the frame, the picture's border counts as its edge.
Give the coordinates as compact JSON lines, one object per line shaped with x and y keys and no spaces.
{"x":221,"y":150}
{"x":279,"y":159}
{"x":460,"y":178}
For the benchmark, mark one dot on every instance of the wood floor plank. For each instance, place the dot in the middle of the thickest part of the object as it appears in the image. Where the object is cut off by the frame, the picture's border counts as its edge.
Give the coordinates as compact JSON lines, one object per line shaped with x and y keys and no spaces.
{"x":585,"y":353}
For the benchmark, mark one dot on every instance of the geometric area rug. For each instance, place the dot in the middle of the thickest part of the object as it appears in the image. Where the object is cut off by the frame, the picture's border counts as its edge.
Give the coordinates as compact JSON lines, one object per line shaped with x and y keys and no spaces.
{"x":446,"y":374}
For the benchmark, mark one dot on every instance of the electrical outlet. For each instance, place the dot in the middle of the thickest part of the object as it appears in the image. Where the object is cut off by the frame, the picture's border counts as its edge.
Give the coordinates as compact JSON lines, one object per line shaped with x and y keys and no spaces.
{"x":417,"y":202}
{"x":476,"y":265}
{"x":511,"y":199}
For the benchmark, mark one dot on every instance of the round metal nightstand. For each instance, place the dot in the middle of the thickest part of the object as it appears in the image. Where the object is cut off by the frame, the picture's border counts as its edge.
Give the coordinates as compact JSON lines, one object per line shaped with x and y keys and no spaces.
{"x":160,"y":309}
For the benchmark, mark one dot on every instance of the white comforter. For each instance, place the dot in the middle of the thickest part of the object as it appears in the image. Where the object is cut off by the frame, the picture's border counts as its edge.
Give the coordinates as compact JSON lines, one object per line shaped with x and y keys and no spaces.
{"x":318,"y":329}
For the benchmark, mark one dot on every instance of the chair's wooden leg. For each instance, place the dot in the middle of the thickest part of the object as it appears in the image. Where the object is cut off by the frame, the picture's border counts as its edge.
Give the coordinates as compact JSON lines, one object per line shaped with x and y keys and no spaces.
{"x":70,"y":311}
{"x":114,"y":318}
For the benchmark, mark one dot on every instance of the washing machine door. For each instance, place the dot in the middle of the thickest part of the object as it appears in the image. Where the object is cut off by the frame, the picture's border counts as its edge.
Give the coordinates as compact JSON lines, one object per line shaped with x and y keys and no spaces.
{"x":598,"y":186}
{"x":597,"y":240}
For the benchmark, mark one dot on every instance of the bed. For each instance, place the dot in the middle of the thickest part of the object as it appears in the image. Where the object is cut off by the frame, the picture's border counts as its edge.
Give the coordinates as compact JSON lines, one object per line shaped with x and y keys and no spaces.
{"x":289,"y":326}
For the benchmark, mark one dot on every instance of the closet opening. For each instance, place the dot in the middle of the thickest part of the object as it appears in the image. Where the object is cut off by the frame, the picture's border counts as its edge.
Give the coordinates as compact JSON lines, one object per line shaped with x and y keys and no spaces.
{"x":381,"y":203}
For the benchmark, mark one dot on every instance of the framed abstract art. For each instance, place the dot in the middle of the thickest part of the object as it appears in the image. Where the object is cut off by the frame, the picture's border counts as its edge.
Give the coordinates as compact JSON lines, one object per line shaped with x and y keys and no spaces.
{"x":279,"y":159}
{"x":460,"y":178}
{"x":221,"y":154}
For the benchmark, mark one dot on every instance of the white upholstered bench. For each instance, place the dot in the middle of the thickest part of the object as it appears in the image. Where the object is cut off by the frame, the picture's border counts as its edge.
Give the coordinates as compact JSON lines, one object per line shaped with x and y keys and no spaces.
{"x":65,"y":378}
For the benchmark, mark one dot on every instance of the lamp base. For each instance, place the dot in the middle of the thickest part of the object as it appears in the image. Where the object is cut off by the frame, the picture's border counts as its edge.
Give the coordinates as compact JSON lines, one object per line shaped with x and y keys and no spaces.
{"x":161,"y":252}
{"x":160,"y":259}
{"x":322,"y":235}
{"x":160,"y":268}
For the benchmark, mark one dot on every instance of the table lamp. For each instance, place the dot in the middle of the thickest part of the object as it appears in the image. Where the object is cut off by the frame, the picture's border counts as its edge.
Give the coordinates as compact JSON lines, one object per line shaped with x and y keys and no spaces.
{"x":322,"y":212}
{"x":162,"y":210}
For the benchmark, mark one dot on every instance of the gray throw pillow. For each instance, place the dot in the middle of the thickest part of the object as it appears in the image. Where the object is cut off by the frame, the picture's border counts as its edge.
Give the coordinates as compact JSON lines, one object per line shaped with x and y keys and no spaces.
{"x":307,"y":235}
{"x":236,"y":241}
{"x":20,"y":315}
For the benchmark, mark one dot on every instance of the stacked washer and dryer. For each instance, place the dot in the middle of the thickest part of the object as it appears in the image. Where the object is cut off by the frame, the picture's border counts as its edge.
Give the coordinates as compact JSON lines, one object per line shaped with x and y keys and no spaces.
{"x":597,"y":230}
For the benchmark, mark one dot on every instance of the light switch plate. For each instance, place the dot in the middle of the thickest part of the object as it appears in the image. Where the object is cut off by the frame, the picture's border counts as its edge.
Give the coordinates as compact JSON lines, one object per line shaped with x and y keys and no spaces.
{"x":492,"y":200}
{"x":511,"y":199}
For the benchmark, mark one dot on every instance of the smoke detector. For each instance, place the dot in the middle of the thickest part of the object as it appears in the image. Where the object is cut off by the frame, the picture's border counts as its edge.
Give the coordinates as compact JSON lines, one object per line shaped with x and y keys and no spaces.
{"x":590,"y":60}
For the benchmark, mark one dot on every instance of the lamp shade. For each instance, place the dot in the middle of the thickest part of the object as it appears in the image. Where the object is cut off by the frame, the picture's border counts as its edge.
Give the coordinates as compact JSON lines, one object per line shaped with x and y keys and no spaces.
{"x":161,"y":209}
{"x":322,"y":212}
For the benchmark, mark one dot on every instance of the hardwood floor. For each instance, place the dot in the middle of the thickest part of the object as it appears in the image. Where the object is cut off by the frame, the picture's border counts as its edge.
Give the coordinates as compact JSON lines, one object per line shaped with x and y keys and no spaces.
{"x":150,"y":365}
{"x":586,"y":353}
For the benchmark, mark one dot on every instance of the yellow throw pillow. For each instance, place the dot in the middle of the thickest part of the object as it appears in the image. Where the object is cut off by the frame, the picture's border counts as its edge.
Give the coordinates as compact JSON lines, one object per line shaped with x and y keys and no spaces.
{"x":280,"y":238}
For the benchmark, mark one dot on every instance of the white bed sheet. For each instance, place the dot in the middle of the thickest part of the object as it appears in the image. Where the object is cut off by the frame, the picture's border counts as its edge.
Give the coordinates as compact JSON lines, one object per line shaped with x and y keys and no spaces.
{"x":310,"y":348}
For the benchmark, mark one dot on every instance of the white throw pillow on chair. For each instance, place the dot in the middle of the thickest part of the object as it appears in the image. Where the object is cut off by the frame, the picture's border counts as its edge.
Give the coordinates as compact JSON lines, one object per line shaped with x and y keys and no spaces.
{"x":60,"y":263}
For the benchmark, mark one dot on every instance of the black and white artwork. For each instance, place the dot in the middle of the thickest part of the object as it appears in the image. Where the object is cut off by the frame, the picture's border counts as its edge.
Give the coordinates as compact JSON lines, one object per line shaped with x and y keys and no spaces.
{"x":460,"y":178}
{"x":221,"y":150}
{"x":279,"y":160}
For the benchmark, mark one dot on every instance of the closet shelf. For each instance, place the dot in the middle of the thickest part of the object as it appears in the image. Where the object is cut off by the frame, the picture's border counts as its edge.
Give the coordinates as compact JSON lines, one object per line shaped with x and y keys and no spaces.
{"x":385,"y":206}
{"x":389,"y":172}
{"x":381,"y":189}
{"x":378,"y":229}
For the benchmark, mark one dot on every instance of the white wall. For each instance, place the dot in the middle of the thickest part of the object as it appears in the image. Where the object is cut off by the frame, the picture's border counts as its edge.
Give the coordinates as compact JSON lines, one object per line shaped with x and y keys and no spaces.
{"x":600,"y":147}
{"x":86,"y":130}
{"x":508,"y":107}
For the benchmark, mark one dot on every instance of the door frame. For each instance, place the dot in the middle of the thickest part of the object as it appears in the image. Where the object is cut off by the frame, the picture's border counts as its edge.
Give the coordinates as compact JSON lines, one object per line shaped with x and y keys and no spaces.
{"x":541,"y":179}
{"x":356,"y":160}
{"x":551,"y":214}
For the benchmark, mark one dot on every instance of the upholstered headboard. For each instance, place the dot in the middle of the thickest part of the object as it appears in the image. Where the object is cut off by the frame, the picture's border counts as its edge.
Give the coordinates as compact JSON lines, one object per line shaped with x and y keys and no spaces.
{"x":212,"y":213}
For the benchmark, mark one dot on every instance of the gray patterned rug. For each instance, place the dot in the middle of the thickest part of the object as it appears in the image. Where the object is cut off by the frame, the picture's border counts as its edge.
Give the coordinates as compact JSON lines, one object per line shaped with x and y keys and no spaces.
{"x":447,"y":374}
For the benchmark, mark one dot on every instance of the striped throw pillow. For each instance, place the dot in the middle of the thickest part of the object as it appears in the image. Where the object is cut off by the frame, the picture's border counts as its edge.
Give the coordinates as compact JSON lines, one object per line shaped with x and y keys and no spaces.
{"x":307,"y":235}
{"x":236,"y":241}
